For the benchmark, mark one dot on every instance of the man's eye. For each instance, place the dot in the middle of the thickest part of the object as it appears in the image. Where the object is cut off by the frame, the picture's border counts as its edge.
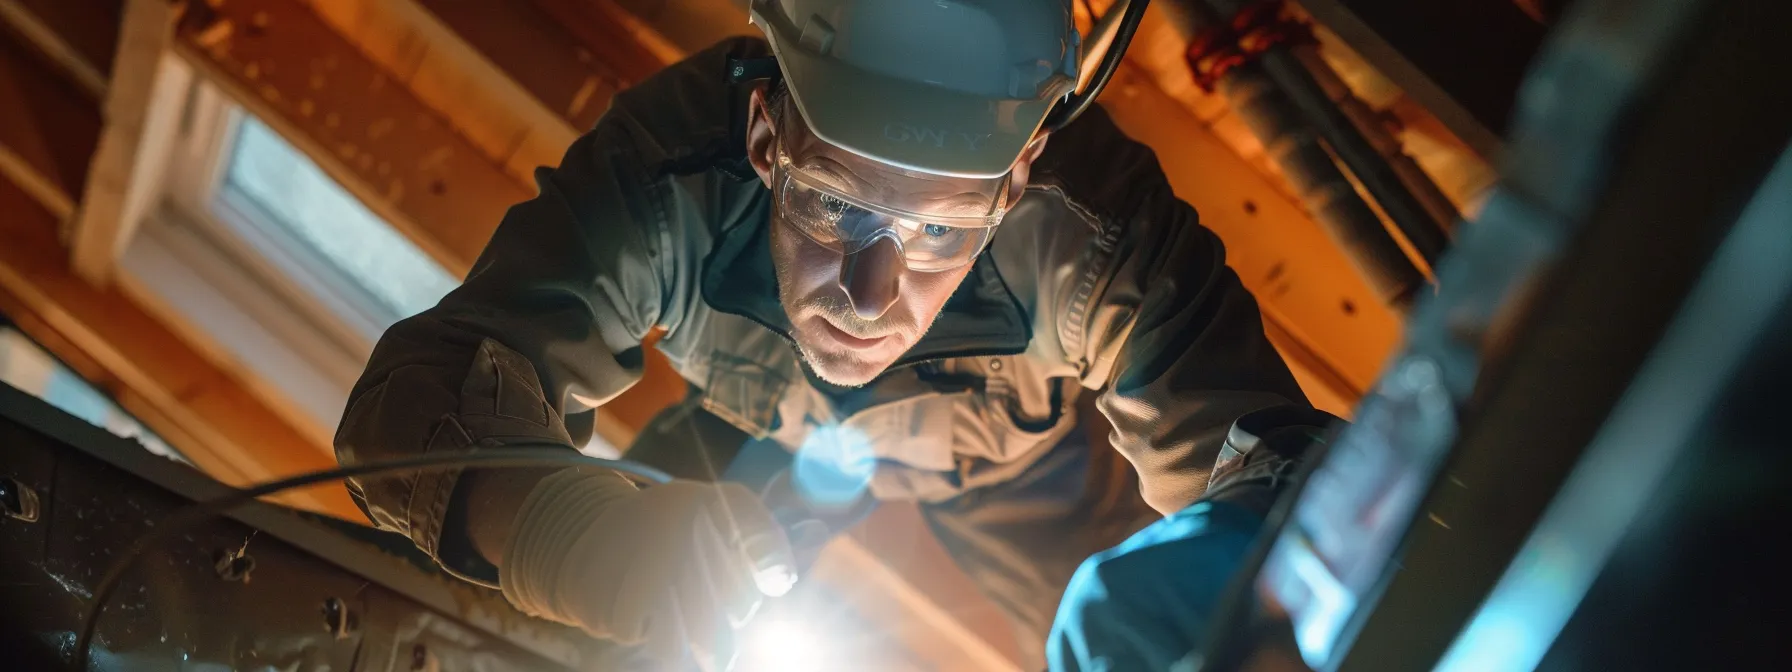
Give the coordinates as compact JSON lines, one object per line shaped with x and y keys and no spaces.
{"x":936,"y":230}
{"x":834,"y":207}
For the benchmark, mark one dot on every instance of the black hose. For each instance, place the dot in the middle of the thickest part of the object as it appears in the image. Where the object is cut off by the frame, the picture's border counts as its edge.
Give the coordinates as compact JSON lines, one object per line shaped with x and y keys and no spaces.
{"x":200,"y":512}
{"x":1078,"y":103}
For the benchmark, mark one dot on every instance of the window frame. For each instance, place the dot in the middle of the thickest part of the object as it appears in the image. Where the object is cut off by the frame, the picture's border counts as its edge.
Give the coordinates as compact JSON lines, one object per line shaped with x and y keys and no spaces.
{"x":235,"y":281}
{"x":238,"y":284}
{"x":203,"y":201}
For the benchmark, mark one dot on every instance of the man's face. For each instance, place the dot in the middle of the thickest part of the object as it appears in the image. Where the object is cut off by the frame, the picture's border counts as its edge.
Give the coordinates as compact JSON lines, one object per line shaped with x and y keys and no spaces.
{"x":841,"y":346}
{"x":851,"y":315}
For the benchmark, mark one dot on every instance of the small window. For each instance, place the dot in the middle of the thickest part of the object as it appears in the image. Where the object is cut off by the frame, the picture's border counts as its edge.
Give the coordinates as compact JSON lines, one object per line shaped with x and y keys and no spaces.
{"x":28,"y":367}
{"x":272,"y":178}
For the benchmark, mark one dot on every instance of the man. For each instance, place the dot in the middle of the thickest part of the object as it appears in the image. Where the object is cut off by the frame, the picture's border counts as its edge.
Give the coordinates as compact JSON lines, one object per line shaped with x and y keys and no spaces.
{"x":885,"y":257}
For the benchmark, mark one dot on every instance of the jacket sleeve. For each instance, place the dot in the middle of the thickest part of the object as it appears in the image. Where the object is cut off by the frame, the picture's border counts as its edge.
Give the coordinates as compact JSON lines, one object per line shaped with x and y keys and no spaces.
{"x":1168,"y":330}
{"x":549,"y":321}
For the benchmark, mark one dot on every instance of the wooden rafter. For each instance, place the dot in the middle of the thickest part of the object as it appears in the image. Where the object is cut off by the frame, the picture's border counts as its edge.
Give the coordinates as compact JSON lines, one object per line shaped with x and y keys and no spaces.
{"x":142,"y":112}
{"x":50,"y":129}
{"x":78,"y":37}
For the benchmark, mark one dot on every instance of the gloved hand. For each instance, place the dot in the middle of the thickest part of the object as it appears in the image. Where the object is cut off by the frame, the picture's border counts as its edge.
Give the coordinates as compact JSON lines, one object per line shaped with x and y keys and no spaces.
{"x":675,"y":567}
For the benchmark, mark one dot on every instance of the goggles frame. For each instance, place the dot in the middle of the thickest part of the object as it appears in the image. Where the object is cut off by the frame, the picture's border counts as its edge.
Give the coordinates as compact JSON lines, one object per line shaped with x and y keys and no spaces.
{"x":898,"y":226}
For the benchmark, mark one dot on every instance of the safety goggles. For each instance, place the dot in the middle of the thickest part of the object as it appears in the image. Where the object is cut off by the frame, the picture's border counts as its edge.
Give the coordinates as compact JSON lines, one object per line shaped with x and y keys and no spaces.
{"x":847,"y":203}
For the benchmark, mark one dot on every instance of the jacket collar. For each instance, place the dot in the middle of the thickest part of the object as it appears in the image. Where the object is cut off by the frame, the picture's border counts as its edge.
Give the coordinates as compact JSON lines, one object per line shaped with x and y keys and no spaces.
{"x":981,"y":319}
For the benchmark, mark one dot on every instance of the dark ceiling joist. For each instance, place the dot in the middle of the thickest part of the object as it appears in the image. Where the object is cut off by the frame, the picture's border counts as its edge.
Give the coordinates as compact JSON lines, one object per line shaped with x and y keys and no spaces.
{"x":79,"y":36}
{"x":568,"y":55}
{"x":1463,"y":59}
{"x":49,"y":127}
{"x":538,"y":55}
{"x":600,"y":26}
{"x":370,"y":131}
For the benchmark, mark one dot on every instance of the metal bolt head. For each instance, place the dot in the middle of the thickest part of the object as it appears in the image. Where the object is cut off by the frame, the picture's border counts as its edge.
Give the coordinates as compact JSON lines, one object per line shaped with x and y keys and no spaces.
{"x":18,"y":500}
{"x":232,"y":566}
{"x":339,"y":620}
{"x":422,"y":660}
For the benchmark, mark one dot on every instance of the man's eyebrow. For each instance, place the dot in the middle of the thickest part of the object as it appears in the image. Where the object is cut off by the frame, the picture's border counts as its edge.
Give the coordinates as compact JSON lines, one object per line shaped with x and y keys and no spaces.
{"x":838,"y":175}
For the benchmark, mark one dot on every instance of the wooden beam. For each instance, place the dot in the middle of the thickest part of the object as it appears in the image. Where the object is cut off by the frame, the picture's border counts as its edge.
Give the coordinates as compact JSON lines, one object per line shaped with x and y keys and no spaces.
{"x":143,"y":113}
{"x":614,"y":36}
{"x":539,"y":54}
{"x":366,"y":129}
{"x":679,"y":27}
{"x":77,"y":36}
{"x":50,"y":129}
{"x":479,"y":99}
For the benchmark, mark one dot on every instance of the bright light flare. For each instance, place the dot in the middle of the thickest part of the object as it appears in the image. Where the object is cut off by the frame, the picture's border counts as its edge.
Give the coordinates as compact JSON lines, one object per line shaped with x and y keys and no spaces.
{"x":834,"y":465}
{"x":783,"y":646}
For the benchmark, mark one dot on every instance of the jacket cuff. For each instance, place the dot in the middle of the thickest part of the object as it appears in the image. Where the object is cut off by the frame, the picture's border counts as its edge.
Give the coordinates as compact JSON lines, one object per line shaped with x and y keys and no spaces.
{"x":501,"y":401}
{"x":1263,"y":451}
{"x":435,"y":524}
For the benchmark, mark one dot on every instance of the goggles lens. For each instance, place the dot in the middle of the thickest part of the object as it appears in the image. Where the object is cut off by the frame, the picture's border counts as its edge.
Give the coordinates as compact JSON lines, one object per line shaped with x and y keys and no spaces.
{"x":847,"y":224}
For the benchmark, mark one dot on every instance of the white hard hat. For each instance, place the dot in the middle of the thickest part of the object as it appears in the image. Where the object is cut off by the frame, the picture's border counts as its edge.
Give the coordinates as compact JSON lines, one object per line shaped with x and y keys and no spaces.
{"x":951,"y":87}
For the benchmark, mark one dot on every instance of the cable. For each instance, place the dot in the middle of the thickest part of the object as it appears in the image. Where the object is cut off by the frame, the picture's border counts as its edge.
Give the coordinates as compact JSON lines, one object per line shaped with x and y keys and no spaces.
{"x":1078,"y":103}
{"x":200,"y":512}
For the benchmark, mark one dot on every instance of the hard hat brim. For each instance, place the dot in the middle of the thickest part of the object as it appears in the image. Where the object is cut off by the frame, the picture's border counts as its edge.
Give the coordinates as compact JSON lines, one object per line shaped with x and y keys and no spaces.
{"x":908,"y":124}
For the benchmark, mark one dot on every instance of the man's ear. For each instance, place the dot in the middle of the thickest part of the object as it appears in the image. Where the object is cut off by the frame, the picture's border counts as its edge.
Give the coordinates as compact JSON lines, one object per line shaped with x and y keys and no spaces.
{"x":762,"y":135}
{"x":1023,"y":166}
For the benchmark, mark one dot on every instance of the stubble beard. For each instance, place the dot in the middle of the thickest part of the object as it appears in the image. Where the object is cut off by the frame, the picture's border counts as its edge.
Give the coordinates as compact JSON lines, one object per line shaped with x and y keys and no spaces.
{"x":843,"y":368}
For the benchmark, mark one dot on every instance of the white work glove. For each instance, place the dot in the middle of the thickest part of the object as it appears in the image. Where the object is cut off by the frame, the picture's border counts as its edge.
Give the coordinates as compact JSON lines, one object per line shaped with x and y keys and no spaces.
{"x":675,"y":567}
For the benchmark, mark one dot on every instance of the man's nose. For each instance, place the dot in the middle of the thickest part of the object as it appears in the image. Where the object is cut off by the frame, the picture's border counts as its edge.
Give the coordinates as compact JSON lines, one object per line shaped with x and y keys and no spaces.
{"x":872,"y":278}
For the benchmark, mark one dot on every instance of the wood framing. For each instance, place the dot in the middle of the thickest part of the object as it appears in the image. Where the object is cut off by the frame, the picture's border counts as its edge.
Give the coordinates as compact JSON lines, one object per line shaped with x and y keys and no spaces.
{"x":142,"y":118}
{"x":538,"y":54}
{"x":48,"y":129}
{"x":79,"y":37}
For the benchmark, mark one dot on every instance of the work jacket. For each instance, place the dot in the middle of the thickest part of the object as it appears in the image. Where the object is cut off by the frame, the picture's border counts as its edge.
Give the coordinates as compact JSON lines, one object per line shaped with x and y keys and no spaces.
{"x":1098,"y":279}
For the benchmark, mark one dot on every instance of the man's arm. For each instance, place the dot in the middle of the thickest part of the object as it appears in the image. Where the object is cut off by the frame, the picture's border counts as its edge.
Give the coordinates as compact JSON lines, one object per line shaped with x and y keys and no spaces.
{"x":1167,"y":327}
{"x":553,"y":310}
{"x":1190,"y":362}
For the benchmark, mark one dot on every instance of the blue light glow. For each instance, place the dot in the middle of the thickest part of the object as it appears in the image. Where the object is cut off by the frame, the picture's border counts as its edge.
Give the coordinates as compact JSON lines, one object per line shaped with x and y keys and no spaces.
{"x":834,"y":465}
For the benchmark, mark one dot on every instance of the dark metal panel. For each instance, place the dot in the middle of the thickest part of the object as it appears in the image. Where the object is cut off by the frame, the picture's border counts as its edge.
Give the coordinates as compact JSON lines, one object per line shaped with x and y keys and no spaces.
{"x":1693,"y":137}
{"x":276,"y":592}
{"x":1643,"y":133}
